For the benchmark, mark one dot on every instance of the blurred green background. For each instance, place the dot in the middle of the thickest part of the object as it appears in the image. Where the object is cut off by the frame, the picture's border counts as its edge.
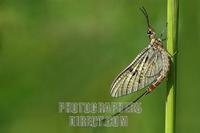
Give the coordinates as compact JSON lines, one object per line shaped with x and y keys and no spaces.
{"x":70,"y":50}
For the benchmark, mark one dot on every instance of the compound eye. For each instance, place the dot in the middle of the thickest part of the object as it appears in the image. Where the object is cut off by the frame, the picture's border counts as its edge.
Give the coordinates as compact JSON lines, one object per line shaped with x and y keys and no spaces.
{"x":149,"y":32}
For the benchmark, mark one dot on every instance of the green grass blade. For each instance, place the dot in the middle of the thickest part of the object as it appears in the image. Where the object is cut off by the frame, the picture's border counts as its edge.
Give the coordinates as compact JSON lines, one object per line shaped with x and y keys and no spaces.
{"x":172,"y":30}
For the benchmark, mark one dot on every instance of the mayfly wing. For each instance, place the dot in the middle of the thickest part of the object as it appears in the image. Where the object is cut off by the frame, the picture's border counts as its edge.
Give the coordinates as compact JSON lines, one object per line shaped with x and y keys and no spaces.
{"x":143,"y":70}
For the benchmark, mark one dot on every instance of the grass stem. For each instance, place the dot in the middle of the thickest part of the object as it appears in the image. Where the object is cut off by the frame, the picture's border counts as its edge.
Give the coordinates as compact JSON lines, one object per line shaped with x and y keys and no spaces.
{"x":172,"y":34}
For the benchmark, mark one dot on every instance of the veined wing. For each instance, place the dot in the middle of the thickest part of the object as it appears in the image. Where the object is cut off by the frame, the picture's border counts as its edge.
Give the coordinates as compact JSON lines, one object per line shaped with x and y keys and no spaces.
{"x":143,"y":70}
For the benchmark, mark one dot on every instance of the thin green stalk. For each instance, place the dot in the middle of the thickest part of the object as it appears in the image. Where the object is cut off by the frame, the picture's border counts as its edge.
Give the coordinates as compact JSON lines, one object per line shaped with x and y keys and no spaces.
{"x":172,"y":30}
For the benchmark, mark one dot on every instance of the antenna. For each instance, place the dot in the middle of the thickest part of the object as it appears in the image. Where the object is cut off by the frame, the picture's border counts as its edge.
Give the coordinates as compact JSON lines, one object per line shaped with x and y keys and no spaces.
{"x":144,"y":11}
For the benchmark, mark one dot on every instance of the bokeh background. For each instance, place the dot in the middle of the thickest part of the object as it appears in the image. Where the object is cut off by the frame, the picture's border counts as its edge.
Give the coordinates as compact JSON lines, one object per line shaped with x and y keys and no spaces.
{"x":70,"y":50}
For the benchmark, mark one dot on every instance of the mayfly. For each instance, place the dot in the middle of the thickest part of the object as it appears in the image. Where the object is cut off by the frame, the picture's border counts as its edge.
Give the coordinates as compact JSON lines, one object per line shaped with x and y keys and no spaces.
{"x":149,"y":68}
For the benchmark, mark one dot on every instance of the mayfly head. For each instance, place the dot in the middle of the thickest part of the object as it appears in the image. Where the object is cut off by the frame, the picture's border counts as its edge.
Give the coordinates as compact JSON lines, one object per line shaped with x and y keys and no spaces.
{"x":151,"y":34}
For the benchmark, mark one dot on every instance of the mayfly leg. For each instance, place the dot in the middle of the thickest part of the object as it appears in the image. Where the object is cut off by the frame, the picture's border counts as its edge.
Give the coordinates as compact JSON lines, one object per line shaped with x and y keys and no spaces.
{"x":164,"y":31}
{"x":172,"y":55}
